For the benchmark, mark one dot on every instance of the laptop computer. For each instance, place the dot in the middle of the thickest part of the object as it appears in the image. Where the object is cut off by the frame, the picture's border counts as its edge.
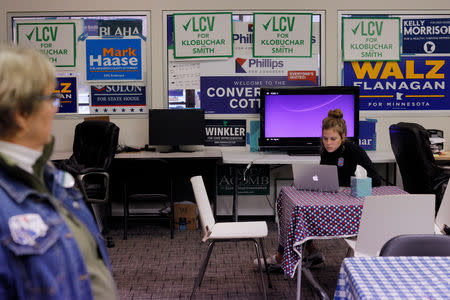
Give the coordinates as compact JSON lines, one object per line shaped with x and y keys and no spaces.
{"x":315,"y":177}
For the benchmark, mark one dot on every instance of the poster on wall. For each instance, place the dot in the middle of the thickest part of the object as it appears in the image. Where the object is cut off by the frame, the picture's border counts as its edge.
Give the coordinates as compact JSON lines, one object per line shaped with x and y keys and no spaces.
{"x":114,"y":59}
{"x":55,"y":39}
{"x":66,"y":87}
{"x":119,"y":27}
{"x":282,"y":34}
{"x":257,"y":180}
{"x":225,"y":133}
{"x":414,"y":83}
{"x":370,"y":39}
{"x":426,"y":35}
{"x":231,"y":86}
{"x":118,"y":99}
{"x":203,"y":35}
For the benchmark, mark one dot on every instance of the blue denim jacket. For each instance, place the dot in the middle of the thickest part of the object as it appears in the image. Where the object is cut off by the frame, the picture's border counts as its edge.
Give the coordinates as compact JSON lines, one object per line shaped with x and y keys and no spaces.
{"x":52,"y":268}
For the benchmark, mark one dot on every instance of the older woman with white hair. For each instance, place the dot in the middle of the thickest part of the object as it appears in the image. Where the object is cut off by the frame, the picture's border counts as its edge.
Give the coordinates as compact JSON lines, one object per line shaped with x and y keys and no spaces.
{"x":50,"y":245}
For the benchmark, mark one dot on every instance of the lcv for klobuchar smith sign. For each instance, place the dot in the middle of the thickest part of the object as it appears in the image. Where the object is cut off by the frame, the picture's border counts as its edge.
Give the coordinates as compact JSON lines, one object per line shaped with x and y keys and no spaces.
{"x":54,"y":39}
{"x":371,"y":39}
{"x":203,"y":35}
{"x":282,"y":34}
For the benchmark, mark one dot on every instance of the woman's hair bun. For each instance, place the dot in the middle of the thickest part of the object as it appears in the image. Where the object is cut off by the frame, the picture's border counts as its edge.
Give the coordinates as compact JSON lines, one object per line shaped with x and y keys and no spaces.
{"x":336,"y":113}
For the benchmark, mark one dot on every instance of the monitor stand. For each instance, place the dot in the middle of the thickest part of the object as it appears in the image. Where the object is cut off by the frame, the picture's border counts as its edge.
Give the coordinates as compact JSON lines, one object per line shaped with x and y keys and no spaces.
{"x":176,"y":148}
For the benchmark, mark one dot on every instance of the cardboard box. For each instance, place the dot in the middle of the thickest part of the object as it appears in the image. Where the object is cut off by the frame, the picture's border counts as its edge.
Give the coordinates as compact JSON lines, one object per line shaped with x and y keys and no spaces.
{"x":185,"y":216}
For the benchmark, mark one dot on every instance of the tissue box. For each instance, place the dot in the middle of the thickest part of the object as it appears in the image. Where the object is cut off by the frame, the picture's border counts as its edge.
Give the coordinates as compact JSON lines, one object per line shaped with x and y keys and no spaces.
{"x":361,"y":187}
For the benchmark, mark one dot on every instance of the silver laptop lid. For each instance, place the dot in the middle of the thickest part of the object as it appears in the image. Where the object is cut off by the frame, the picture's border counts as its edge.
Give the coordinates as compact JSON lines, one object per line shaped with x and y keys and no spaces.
{"x":315,"y":177}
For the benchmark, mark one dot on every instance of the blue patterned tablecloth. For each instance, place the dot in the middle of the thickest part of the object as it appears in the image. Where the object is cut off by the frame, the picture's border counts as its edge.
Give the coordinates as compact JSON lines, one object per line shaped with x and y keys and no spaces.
{"x":305,"y":215}
{"x":394,"y":277}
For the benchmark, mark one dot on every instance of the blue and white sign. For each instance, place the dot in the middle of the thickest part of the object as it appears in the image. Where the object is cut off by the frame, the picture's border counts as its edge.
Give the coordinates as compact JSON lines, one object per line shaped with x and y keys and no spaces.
{"x":118,"y":99}
{"x":67,"y":88}
{"x":238,"y":95}
{"x":414,"y":83}
{"x":426,"y":35}
{"x":119,"y":27}
{"x":114,"y":59}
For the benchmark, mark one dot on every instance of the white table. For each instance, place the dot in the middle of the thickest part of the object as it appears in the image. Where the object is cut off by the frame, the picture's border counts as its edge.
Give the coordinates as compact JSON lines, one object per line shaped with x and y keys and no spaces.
{"x":59,"y":155}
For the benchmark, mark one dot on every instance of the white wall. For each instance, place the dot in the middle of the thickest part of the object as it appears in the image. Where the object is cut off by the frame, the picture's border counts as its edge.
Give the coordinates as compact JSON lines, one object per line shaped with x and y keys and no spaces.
{"x":134,"y":130}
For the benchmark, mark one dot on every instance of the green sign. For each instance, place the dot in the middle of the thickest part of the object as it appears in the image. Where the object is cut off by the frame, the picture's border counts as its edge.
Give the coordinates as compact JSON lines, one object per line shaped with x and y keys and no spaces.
{"x":282,"y":34}
{"x":203,"y":35}
{"x":257,"y":180}
{"x":371,"y":39}
{"x":57,"y":40}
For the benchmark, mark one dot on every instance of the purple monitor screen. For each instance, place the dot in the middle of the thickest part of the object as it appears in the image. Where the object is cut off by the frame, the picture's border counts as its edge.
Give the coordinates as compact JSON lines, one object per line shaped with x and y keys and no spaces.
{"x":293,"y":116}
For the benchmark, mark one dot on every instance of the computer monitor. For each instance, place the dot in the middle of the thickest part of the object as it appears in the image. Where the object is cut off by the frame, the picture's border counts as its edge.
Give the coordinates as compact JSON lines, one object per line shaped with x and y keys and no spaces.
{"x":291,"y":117}
{"x":176,"y":127}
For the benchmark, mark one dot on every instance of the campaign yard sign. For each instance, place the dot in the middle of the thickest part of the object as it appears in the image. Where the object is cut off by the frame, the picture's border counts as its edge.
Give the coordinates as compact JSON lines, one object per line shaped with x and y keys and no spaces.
{"x":114,"y":59}
{"x":225,"y":133}
{"x":370,"y":39}
{"x":282,"y":34}
{"x":203,"y":35}
{"x":257,"y":179}
{"x":414,"y":83}
{"x":66,"y":87}
{"x":426,"y":36}
{"x":114,"y":99}
{"x":119,"y":27}
{"x":239,"y":94}
{"x":56,"y":40}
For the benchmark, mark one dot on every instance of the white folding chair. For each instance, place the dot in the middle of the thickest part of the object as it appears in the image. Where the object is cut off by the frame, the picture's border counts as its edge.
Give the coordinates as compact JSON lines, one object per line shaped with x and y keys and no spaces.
{"x":384,"y":217}
{"x":219,"y":232}
{"x":443,"y":215}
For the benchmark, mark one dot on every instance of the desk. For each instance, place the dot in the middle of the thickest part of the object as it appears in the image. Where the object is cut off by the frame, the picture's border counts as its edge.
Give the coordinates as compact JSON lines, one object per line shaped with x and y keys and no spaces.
{"x":184,"y":166}
{"x":305,"y":215}
{"x":238,"y":157}
{"x":394,"y":277}
{"x":443,"y":157}
{"x":178,"y":159}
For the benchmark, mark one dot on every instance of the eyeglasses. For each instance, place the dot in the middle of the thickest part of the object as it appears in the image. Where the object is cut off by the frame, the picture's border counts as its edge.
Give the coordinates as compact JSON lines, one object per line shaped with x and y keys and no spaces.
{"x":53,"y":97}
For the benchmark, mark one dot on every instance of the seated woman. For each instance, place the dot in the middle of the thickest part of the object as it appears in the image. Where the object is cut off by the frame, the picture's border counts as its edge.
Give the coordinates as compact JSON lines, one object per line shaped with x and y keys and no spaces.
{"x":346,"y":155}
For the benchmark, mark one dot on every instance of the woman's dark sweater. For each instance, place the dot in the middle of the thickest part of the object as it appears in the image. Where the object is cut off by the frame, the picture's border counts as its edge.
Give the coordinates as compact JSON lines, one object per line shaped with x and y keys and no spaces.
{"x":346,"y":157}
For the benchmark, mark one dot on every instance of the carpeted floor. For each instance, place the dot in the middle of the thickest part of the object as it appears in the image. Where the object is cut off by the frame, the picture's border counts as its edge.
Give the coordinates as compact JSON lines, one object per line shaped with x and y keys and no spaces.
{"x":149,"y":265}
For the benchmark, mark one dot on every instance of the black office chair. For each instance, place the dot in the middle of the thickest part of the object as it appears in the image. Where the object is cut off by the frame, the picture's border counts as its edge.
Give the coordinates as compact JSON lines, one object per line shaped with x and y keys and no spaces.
{"x":420,"y":174}
{"x":94,"y":147}
{"x":147,"y":192}
{"x":417,"y":245}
